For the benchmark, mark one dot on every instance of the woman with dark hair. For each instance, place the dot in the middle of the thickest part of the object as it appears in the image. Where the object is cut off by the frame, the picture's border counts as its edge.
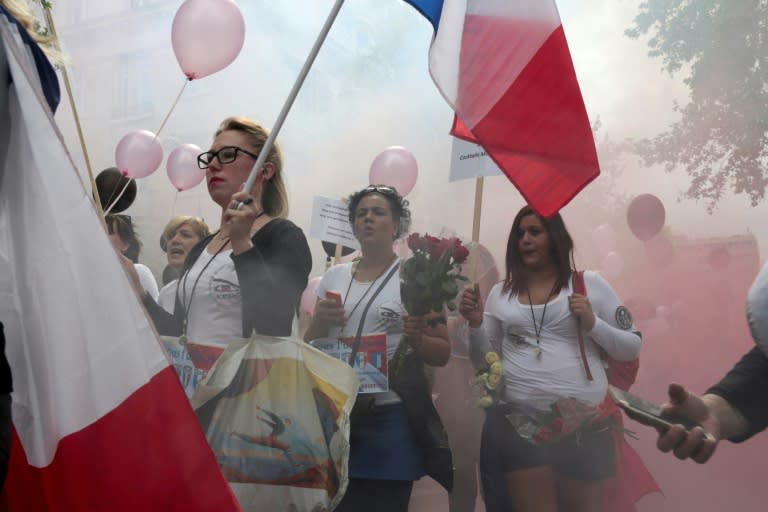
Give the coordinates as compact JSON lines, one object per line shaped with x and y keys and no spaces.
{"x":124,"y":239}
{"x":364,"y":297}
{"x":249,"y":275}
{"x":534,"y":316}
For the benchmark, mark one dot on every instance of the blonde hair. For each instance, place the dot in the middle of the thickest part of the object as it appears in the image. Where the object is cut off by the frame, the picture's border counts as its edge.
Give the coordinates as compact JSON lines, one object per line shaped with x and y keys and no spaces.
{"x":274,"y":198}
{"x":199,"y":227}
{"x":21,"y":10}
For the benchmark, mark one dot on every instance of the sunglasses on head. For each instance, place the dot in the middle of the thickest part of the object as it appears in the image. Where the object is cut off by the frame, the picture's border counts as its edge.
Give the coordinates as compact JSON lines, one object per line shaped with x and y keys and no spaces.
{"x":381,"y":189}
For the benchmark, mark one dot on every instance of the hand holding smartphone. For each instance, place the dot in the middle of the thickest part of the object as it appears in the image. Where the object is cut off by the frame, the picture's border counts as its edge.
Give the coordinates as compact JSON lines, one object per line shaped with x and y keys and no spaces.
{"x":649,"y":413}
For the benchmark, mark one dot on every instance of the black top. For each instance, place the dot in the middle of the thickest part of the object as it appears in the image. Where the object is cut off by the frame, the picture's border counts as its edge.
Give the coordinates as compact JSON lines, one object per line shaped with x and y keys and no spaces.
{"x":6,"y":385}
{"x":272,"y":276}
{"x":745,"y":387}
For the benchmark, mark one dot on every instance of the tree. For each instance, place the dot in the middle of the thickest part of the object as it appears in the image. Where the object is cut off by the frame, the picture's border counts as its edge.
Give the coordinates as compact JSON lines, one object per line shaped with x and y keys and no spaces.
{"x":721,"y":139}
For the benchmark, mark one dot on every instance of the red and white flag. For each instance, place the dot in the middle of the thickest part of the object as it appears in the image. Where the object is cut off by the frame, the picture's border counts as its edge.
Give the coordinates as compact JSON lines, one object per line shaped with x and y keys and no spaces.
{"x":101,"y":421}
{"x":505,"y":68}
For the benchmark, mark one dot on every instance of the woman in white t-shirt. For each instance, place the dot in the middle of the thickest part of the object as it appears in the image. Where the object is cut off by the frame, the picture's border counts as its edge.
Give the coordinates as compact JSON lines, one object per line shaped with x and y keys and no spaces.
{"x":124,"y":239}
{"x":533,"y":316}
{"x":248,"y":276}
{"x":384,"y":456}
{"x":180,"y":235}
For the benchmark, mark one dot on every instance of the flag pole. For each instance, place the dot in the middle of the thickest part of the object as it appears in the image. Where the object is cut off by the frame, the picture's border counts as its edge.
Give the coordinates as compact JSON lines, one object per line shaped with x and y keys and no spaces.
{"x":479,"y":182}
{"x":292,"y":95}
{"x":478,"y":209}
{"x":75,"y":115}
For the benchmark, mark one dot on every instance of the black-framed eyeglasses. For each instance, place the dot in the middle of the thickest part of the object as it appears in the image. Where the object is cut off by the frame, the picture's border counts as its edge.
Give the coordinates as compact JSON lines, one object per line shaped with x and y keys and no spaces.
{"x":226,"y":155}
{"x":381,"y":189}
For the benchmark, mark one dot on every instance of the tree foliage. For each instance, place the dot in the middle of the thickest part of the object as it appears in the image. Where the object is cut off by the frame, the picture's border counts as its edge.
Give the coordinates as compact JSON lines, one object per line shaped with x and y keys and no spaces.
{"x":721,"y":138}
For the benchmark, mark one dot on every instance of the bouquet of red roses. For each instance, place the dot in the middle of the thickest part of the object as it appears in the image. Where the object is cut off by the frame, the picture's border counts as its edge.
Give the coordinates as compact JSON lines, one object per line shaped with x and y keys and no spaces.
{"x":566,"y":416}
{"x":429,"y":279}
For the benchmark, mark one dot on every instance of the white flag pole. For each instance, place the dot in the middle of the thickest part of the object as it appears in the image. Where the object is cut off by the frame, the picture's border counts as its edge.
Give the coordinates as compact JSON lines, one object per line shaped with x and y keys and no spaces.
{"x":292,"y":95}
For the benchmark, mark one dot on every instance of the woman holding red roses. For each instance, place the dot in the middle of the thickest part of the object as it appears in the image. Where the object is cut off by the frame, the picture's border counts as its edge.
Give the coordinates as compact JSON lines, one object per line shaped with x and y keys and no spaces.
{"x":384,"y":456}
{"x":535,"y":316}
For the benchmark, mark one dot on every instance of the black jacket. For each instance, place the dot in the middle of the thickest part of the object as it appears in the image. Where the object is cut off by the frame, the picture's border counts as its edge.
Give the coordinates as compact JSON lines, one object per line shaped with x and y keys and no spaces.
{"x":272,"y":276}
{"x":745,"y":387}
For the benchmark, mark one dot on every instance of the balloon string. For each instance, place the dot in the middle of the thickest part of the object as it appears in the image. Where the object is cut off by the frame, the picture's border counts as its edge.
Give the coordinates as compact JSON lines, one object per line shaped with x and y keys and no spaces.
{"x":199,"y":202}
{"x":175,"y":102}
{"x":109,"y":208}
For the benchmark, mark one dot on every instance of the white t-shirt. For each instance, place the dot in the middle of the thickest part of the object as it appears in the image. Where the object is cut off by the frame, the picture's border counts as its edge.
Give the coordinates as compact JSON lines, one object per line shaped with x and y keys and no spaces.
{"x":147,"y":280}
{"x":167,"y":298}
{"x":215,"y":313}
{"x":384,"y":315}
{"x":558,"y":372}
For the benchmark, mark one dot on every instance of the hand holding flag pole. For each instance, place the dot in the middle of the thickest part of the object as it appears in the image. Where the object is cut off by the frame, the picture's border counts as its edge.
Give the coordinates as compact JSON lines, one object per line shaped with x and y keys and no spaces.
{"x":292,"y":96}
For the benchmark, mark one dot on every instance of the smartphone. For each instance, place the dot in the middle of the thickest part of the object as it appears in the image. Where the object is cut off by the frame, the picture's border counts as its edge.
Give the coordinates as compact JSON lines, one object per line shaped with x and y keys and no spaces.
{"x":334,"y":296}
{"x":648,"y":413}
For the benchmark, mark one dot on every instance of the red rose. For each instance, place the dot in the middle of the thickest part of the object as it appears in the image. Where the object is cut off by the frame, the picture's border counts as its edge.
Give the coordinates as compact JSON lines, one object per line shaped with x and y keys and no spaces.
{"x":414,"y":241}
{"x":460,"y":253}
{"x":433,"y":246}
{"x":445,"y":245}
{"x":557,"y":425}
{"x":543,"y":435}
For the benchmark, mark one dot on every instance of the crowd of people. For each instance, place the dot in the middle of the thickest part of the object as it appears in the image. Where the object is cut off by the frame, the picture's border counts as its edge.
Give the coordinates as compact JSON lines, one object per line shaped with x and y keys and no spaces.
{"x":552,"y":337}
{"x":552,"y":333}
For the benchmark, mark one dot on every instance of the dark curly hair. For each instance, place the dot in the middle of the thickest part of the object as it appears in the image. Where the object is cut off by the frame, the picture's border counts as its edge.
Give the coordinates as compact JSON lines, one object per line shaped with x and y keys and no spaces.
{"x":401,"y":214}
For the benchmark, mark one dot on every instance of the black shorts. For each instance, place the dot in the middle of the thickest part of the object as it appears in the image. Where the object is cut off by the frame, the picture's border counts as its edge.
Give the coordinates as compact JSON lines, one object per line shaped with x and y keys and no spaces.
{"x":585,"y":455}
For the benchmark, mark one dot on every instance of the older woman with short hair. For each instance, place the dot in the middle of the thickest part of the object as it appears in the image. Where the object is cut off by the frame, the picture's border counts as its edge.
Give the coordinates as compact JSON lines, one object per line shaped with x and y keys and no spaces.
{"x":180,"y":235}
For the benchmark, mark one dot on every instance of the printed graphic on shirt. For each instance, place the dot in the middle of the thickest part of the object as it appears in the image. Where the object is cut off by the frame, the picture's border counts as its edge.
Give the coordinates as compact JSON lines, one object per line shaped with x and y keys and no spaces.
{"x":389,"y":317}
{"x":623,"y":318}
{"x":224,"y":290}
{"x":516,"y":339}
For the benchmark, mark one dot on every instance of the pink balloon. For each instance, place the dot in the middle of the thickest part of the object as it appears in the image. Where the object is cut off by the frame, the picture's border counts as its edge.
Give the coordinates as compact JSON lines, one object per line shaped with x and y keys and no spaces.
{"x":612,"y":265}
{"x":308,"y":297}
{"x":182,"y":167}
{"x":138,"y":154}
{"x":396,"y":167}
{"x":646,"y":216}
{"x":207,"y":35}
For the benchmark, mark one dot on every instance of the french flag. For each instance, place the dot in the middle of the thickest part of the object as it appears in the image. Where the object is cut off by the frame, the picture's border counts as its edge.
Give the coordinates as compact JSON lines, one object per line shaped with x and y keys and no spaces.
{"x":505,"y":68}
{"x":100,"y":419}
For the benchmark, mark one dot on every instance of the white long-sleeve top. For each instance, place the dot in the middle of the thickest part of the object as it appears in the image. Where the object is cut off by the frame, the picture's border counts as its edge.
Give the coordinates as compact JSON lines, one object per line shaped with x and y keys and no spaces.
{"x":558,"y":372}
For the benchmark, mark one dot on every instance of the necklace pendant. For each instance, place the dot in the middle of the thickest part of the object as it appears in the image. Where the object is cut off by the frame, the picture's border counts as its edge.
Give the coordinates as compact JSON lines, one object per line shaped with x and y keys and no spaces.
{"x":183,"y":339}
{"x":538,"y":353}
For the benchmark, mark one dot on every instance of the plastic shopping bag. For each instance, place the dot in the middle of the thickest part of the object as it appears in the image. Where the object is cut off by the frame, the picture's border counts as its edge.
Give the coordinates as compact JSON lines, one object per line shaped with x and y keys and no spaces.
{"x":275,"y":412}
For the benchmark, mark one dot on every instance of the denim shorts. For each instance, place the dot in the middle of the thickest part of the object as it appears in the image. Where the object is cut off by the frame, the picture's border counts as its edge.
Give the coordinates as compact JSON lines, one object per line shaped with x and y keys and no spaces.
{"x":588,"y":454}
